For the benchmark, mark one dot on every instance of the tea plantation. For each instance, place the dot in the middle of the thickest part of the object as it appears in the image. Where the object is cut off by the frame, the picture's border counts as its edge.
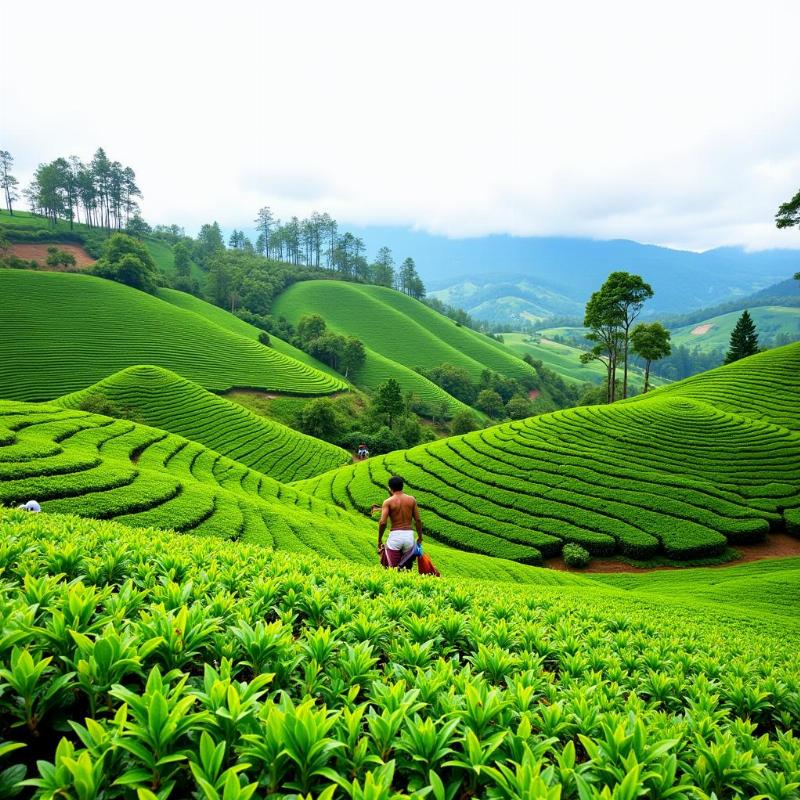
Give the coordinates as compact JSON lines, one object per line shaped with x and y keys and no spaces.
{"x":398,"y":327}
{"x":135,"y":664}
{"x":164,"y":400}
{"x":666,"y":474}
{"x":70,"y":331}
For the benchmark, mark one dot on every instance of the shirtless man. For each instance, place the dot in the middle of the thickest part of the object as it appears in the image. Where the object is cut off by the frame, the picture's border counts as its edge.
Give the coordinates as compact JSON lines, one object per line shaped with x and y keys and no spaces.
{"x":401,"y":509}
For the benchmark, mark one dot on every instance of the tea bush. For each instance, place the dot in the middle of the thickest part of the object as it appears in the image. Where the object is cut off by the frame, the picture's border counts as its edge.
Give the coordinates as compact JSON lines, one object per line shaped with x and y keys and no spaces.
{"x":135,"y":664}
{"x":576,"y":556}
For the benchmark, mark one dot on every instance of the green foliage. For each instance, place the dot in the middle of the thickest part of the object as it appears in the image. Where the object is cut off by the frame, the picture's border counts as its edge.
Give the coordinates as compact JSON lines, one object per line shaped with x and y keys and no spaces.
{"x":490,"y":403}
{"x":71,"y":331}
{"x":576,"y":556}
{"x":788,"y":215}
{"x":464,"y":422}
{"x":744,"y":339}
{"x":218,"y":670}
{"x":318,"y":418}
{"x":59,"y":258}
{"x":126,"y":260}
{"x":389,"y":400}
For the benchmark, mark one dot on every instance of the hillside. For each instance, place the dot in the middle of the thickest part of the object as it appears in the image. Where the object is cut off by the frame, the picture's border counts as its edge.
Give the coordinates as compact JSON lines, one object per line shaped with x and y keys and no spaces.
{"x":396,"y":685}
{"x":761,"y":387}
{"x":668,"y":473}
{"x":165,"y":400}
{"x":70,"y":331}
{"x":219,"y":316}
{"x":398,"y":327}
{"x":714,"y":333}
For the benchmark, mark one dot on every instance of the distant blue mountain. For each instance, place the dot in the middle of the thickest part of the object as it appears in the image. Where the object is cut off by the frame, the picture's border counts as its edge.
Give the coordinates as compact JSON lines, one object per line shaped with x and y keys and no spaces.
{"x":573,"y":268}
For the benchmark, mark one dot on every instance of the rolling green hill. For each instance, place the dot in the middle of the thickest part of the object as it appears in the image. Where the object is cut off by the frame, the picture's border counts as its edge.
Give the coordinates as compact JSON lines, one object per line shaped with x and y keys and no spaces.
{"x":165,"y":400}
{"x":763,"y":387}
{"x":69,"y":331}
{"x":715,"y":333}
{"x":400,"y":334}
{"x":219,"y":316}
{"x":668,"y":473}
{"x":398,"y":327}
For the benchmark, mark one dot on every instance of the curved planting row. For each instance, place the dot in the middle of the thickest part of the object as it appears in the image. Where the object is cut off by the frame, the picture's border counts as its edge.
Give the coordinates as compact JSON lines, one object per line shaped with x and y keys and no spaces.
{"x":667,"y":476}
{"x":165,"y":400}
{"x":69,"y":331}
{"x":94,"y":466}
{"x":764,"y":386}
{"x":398,"y":327}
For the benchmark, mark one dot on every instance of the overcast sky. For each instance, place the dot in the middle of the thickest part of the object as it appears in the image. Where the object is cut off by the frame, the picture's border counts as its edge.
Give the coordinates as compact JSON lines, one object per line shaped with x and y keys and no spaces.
{"x":676,"y":123}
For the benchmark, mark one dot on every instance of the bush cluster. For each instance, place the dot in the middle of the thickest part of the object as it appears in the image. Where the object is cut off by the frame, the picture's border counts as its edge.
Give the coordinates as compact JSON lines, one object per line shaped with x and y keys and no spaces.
{"x":138,"y":664}
{"x":576,"y":556}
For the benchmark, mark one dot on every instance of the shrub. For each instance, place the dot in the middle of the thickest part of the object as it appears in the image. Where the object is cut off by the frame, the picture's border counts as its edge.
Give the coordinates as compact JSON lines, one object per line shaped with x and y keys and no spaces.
{"x":463,"y":422}
{"x":263,"y":337}
{"x":575,"y":556}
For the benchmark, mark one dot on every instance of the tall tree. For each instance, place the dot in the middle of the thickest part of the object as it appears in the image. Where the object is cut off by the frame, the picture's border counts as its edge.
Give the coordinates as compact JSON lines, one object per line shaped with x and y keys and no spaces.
{"x":353,"y":355}
{"x":182,"y":263}
{"x":602,"y":317}
{"x":744,"y":339}
{"x":628,"y":293}
{"x":389,"y":400}
{"x":383,"y":269}
{"x":408,"y":272}
{"x":788,"y":215}
{"x":265,"y":221}
{"x":650,"y":342}
{"x":8,"y":182}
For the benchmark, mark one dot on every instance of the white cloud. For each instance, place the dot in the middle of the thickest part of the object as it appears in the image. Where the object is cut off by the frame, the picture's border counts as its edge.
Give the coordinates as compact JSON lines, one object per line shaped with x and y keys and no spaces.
{"x":676,"y":123}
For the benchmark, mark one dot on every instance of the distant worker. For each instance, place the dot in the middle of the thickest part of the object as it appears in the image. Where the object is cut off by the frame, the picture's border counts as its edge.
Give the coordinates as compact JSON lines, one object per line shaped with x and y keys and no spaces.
{"x":31,"y":505}
{"x":362,"y":451}
{"x":401,"y":509}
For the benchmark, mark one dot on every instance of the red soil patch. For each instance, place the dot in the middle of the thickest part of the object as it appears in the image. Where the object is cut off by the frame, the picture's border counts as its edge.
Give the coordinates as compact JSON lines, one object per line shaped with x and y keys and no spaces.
{"x":38,"y":253}
{"x":533,"y":394}
{"x":776,"y":545}
{"x":701,"y":329}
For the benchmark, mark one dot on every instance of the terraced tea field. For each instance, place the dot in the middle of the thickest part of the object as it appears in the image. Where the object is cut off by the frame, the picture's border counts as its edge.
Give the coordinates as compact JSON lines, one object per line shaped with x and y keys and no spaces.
{"x":765,"y":386}
{"x":664,"y":474}
{"x":219,"y":316}
{"x":70,"y":331}
{"x":164,"y":400}
{"x":199,"y":668}
{"x":398,"y":327}
{"x":94,"y":466}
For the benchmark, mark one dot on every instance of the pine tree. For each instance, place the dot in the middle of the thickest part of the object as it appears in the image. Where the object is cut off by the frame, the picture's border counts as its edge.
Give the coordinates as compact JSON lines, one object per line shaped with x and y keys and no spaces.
{"x":744,"y":339}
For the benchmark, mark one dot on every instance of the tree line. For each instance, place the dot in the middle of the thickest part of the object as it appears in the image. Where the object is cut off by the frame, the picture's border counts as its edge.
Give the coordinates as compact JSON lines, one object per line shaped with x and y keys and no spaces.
{"x":101,"y":193}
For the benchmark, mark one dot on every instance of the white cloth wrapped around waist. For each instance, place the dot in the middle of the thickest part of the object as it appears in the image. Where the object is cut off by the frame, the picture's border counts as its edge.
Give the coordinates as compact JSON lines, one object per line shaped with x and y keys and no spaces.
{"x":402,"y":540}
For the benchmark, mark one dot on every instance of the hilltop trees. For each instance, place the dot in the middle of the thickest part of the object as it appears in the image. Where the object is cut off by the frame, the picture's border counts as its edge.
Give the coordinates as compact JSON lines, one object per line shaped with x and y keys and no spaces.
{"x":8,"y":183}
{"x":650,"y":342}
{"x":127,"y":261}
{"x":610,"y":313}
{"x":788,"y":216}
{"x":744,"y":339}
{"x":105,"y":189}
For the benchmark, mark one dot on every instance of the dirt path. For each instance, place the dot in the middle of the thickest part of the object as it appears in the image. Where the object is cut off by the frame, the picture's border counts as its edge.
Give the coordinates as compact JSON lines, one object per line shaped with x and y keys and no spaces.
{"x":38,"y":253}
{"x":776,"y":545}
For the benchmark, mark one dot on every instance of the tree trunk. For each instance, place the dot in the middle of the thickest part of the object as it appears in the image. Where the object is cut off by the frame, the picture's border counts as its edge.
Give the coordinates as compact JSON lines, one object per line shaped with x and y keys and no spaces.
{"x":646,"y":377}
{"x":625,"y":368}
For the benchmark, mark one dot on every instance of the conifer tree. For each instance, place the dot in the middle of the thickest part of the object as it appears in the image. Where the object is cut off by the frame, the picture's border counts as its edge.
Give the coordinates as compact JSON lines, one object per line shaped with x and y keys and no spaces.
{"x":744,"y":339}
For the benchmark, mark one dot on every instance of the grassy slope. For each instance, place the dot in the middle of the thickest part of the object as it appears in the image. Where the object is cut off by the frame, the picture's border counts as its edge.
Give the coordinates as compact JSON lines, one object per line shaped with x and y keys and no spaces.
{"x":666,"y":473}
{"x":219,"y":316}
{"x":769,"y":320}
{"x":160,"y":251}
{"x":398,"y":327}
{"x":69,"y":331}
{"x":400,"y":334}
{"x":764,"y":387}
{"x":165,"y":400}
